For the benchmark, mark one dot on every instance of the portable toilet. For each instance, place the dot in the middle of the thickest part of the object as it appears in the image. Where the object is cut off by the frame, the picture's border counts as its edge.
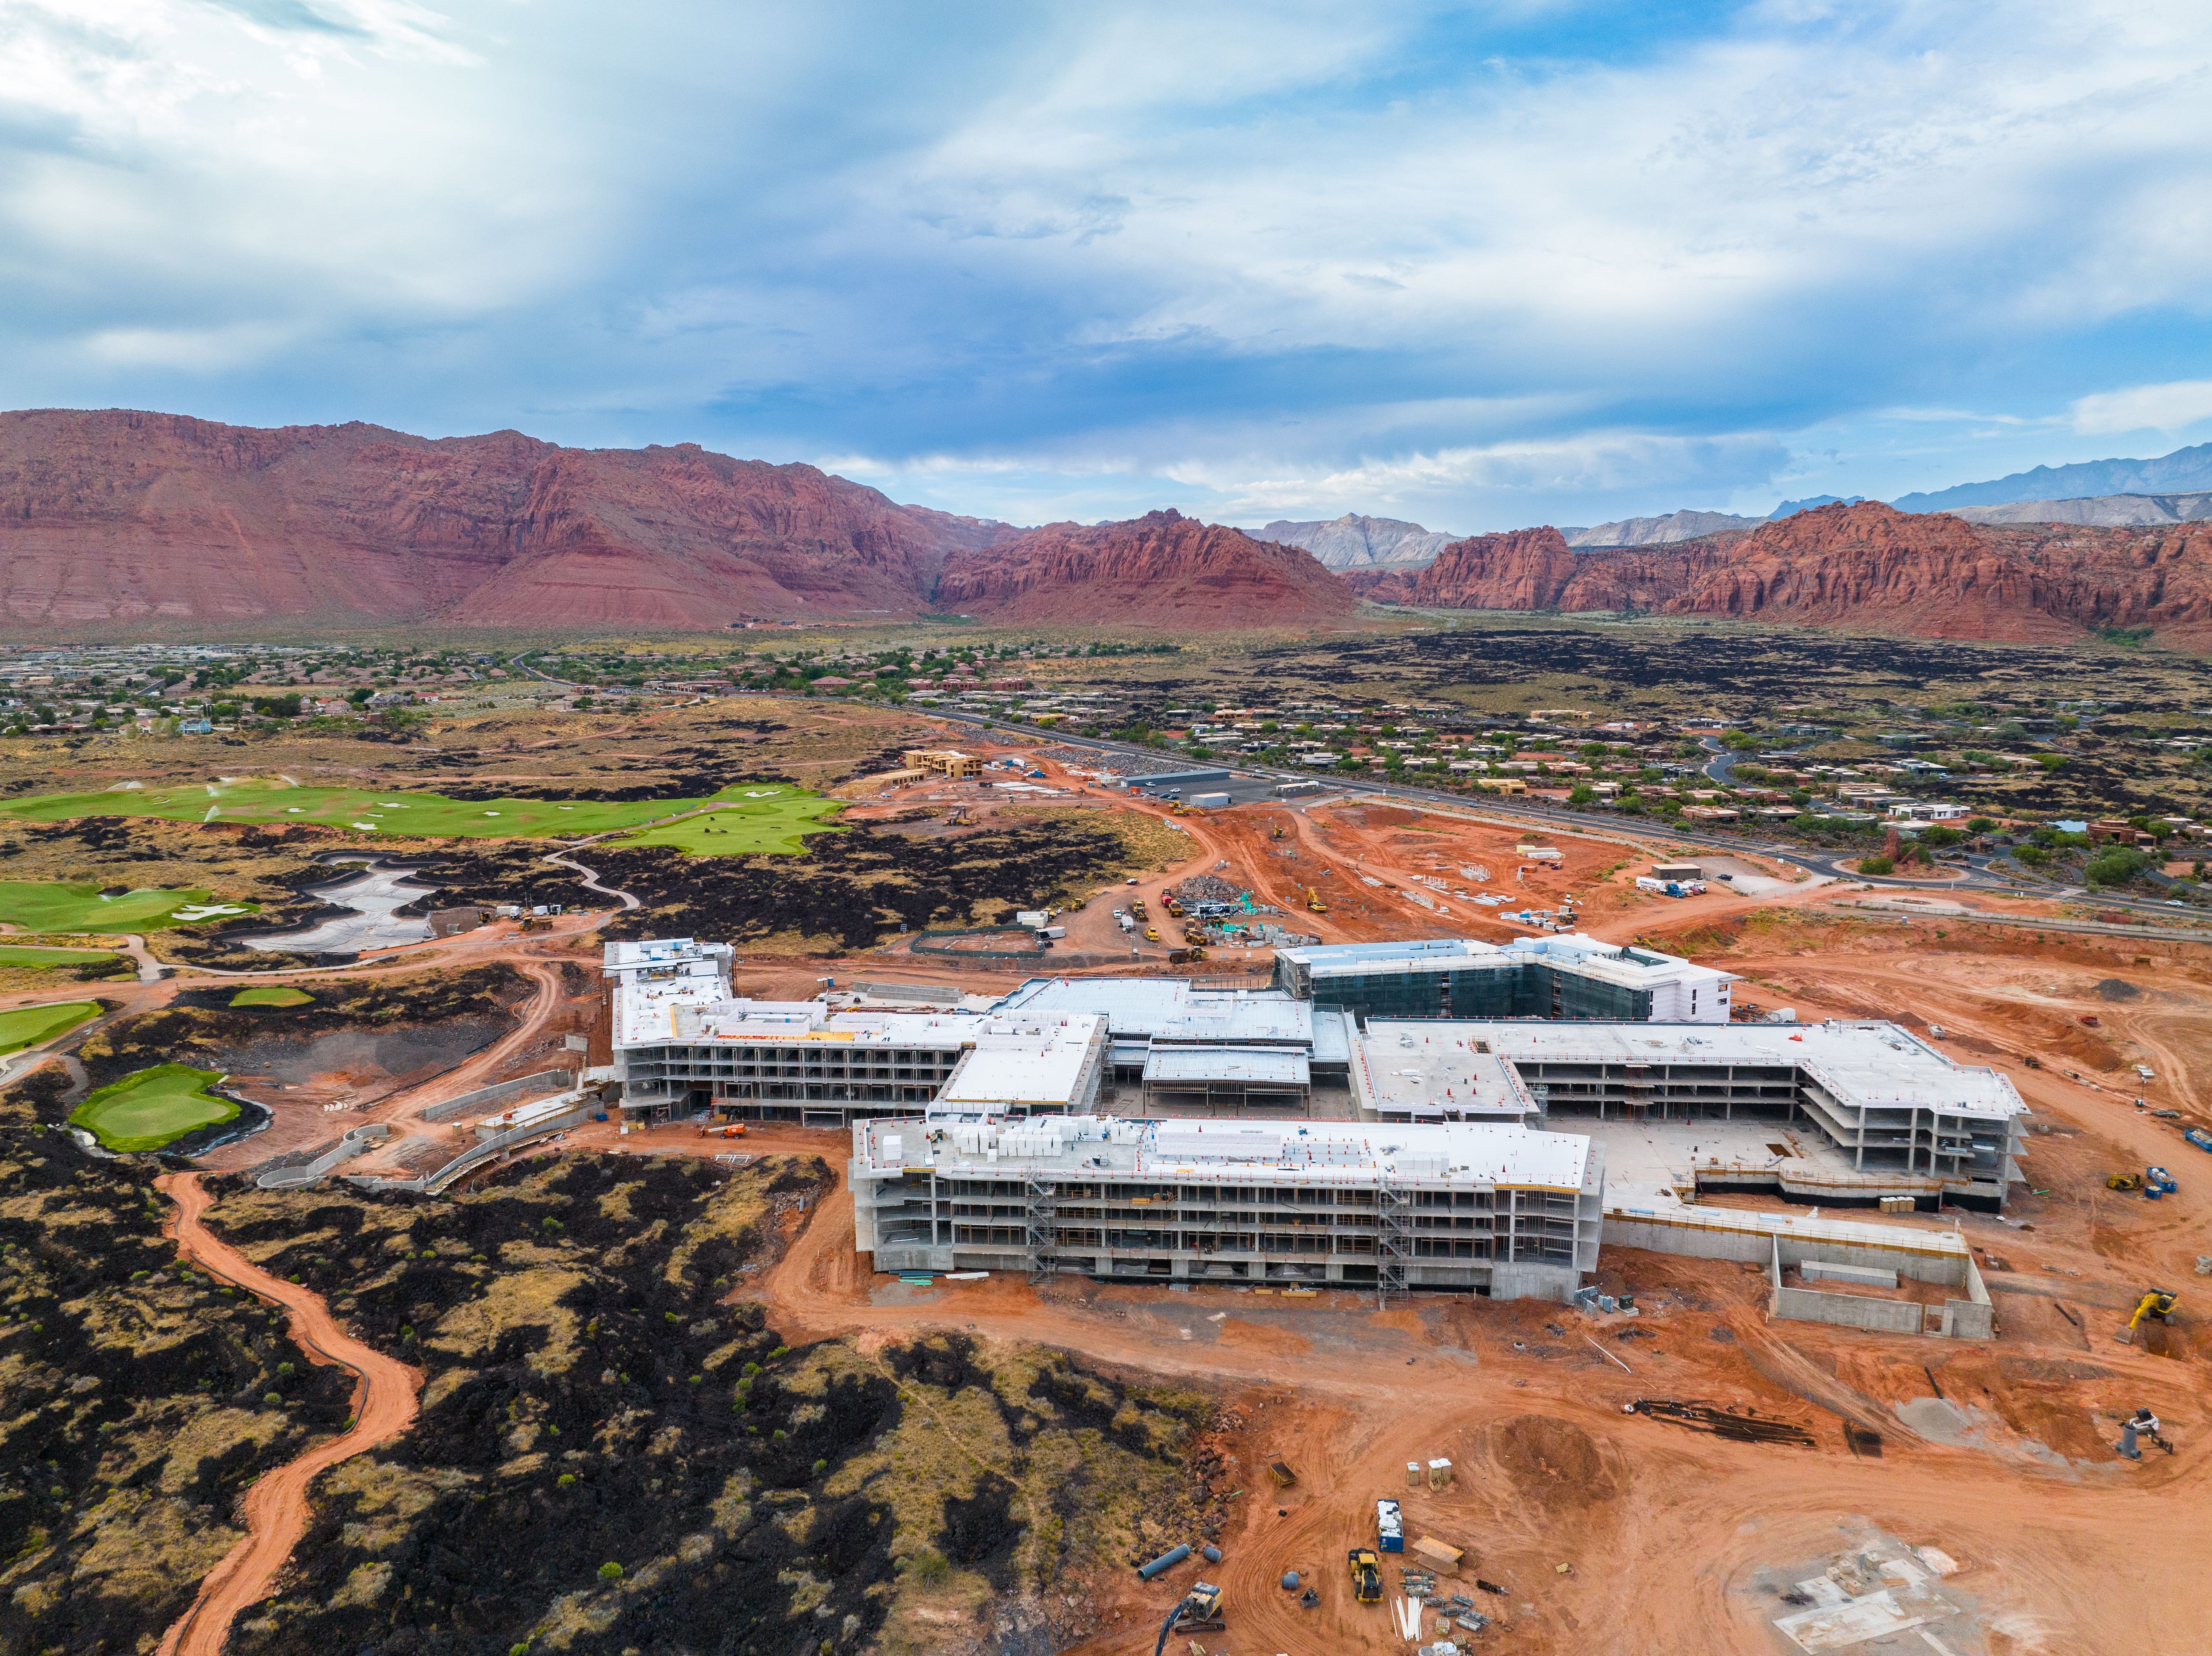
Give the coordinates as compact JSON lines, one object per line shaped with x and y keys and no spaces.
{"x":1440,"y":1474}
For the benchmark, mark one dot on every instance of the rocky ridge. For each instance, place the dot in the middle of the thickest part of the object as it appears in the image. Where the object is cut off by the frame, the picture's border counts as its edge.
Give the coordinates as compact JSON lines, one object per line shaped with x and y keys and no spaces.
{"x":1160,"y":570}
{"x":1932,"y":575}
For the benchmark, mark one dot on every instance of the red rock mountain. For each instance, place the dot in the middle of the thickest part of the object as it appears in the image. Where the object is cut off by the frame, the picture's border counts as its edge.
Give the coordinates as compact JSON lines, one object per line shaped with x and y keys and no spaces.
{"x":1160,"y":570}
{"x":1867,"y":565}
{"x":116,"y":516}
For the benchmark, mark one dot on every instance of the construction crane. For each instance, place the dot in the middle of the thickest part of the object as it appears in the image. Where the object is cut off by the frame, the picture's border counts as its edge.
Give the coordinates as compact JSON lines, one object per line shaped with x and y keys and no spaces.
{"x":1199,"y":1612}
{"x":2157,"y":1303}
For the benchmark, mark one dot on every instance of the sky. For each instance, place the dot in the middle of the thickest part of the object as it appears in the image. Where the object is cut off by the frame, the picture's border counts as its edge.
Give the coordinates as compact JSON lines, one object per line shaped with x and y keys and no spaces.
{"x":1479,"y":266}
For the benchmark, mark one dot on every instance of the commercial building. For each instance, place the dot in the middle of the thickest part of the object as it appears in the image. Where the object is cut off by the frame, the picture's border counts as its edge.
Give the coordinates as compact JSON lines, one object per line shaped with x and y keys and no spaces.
{"x":1491,"y":1209}
{"x":682,"y":1045}
{"x":1887,"y":1101}
{"x":1149,"y":1016}
{"x":1560,"y":977}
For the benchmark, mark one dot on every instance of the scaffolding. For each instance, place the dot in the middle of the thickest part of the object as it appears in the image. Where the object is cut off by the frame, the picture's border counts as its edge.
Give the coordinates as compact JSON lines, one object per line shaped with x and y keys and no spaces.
{"x":1043,"y":1231}
{"x":1394,"y":1243}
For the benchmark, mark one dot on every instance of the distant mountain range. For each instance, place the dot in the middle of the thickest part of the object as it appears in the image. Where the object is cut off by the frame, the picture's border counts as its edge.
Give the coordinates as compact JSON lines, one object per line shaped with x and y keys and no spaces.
{"x":1354,"y":542}
{"x":120,"y":519}
{"x":2105,"y":511}
{"x":2183,"y":471}
{"x":1928,"y":574}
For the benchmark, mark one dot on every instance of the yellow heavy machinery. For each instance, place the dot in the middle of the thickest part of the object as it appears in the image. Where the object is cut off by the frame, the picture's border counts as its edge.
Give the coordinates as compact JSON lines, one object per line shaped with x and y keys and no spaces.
{"x":1276,"y":832}
{"x":1314,"y":902}
{"x":2157,"y":1304}
{"x":2123,"y":1181}
{"x":1199,"y":1611}
{"x":1366,"y":1575}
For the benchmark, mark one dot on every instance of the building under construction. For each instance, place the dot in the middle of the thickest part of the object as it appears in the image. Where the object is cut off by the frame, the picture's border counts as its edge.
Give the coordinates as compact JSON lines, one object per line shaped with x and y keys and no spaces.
{"x":1557,"y":978}
{"x":1493,"y":1210}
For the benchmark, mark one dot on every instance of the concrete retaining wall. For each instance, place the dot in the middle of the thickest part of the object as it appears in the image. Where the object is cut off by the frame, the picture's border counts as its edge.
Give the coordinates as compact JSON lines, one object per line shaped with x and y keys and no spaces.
{"x":355,"y":1142}
{"x":1813,"y":1270}
{"x":491,"y":1146}
{"x":1973,"y":1317}
{"x":503,"y":1092}
{"x":1684,"y":1235}
{"x":1846,"y":1311}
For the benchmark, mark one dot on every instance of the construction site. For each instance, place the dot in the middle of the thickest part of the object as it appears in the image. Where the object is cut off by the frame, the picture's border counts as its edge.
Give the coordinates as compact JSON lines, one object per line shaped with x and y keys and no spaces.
{"x":1527,"y":1280}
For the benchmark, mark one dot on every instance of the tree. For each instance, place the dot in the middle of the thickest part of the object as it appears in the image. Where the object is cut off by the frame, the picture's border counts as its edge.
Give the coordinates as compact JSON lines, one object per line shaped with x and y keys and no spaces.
{"x":2117,"y":865}
{"x":1876,"y":866}
{"x":1582,"y":794}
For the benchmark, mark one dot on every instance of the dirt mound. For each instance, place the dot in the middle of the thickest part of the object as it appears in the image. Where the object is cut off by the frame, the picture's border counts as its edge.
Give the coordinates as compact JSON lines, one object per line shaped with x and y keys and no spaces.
{"x":1552,"y":1462}
{"x":2118,"y":989}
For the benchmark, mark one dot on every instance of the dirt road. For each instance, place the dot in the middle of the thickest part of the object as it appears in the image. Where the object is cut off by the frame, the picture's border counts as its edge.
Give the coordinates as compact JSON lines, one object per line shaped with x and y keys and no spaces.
{"x":275,"y":1508}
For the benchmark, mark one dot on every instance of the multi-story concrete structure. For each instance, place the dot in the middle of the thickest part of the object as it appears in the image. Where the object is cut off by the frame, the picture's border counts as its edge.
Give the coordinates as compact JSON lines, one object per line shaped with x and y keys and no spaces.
{"x":1491,"y":1209}
{"x":1148,"y":1016}
{"x":1559,"y":977}
{"x":1884,"y":1099}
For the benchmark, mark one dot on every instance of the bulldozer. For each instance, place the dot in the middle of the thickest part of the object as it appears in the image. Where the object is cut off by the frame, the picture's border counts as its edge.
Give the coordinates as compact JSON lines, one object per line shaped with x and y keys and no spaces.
{"x":2157,"y":1304}
{"x":1366,"y":1575}
{"x":2123,"y":1181}
{"x":1199,"y":1612}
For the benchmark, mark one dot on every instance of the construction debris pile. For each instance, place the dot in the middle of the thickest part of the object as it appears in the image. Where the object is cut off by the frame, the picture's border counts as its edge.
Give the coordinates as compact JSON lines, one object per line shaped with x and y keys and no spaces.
{"x":1748,"y":1427}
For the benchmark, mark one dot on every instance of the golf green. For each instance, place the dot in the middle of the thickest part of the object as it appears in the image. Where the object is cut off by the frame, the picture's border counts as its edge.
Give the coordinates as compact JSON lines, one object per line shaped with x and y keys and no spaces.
{"x":429,"y":815}
{"x":26,"y":1026}
{"x":272,"y":995}
{"x":20,"y":954}
{"x":769,"y":820}
{"x":59,"y":906}
{"x":148,"y":1108}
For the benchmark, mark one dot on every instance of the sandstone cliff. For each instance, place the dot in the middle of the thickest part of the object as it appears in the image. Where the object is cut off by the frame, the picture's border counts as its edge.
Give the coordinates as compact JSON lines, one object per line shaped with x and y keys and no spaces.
{"x":1862,"y":565}
{"x":1160,"y":570}
{"x":118,"y":516}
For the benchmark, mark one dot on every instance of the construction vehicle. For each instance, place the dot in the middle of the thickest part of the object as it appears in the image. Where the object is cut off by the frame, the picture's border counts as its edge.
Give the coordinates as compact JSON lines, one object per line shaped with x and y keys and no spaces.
{"x":1199,"y":1612}
{"x":2157,"y":1304}
{"x":1137,"y":907}
{"x":1276,"y":832}
{"x":2123,"y":1181}
{"x":1151,"y":934}
{"x":1314,"y":902}
{"x":723,"y":1129}
{"x":1366,"y":1575}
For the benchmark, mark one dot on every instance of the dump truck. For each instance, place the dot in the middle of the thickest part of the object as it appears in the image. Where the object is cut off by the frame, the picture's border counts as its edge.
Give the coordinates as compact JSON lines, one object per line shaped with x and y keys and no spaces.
{"x":1151,"y":934}
{"x":1366,"y":1575}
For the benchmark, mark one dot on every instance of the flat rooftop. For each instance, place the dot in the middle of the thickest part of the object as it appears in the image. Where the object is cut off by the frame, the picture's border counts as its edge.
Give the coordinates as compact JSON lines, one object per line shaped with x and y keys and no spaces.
{"x":1426,"y":1067}
{"x":1024,"y":1066}
{"x":1169,"y":1009}
{"x":1615,"y":962}
{"x":1874,"y":1064}
{"x":1272,"y":1066}
{"x":1470,"y":1155}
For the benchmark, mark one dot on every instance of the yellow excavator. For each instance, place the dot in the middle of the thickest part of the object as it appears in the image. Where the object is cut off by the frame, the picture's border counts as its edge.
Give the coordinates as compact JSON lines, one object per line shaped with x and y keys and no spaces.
{"x":1199,"y":1612}
{"x":2157,"y":1304}
{"x":2123,"y":1181}
{"x":1314,"y":902}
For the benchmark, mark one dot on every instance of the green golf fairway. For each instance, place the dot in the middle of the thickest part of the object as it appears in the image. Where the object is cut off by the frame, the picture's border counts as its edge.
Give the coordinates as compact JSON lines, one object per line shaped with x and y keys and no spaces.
{"x":56,"y":906}
{"x":427,"y":816}
{"x":773,"y":821}
{"x":272,"y":995}
{"x":149,"y":1107}
{"x":26,"y":1026}
{"x":18,"y":955}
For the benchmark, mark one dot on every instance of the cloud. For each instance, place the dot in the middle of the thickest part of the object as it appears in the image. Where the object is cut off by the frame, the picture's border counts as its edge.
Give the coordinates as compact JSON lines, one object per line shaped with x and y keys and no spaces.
{"x":2169,"y":407}
{"x":1579,"y":262}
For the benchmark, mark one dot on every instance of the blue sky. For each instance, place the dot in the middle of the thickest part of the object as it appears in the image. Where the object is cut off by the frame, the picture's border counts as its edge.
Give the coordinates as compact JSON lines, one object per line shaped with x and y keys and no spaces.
{"x":1476,"y":265}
